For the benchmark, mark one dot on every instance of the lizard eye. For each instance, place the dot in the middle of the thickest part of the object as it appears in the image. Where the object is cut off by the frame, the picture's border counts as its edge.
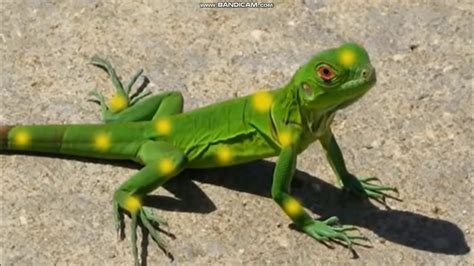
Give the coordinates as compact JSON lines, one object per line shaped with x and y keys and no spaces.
{"x":325,"y":73}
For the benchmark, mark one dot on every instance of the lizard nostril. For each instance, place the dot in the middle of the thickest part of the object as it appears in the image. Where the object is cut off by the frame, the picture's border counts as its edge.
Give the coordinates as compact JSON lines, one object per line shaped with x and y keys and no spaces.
{"x":365,"y":73}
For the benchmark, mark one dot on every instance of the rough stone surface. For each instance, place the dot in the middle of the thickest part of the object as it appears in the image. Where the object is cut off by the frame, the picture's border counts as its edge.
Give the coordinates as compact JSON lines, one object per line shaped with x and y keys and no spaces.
{"x":414,"y":129}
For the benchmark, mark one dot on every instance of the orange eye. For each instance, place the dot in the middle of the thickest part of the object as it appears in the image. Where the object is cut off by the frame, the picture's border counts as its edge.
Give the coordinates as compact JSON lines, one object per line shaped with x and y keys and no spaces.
{"x":325,"y":73}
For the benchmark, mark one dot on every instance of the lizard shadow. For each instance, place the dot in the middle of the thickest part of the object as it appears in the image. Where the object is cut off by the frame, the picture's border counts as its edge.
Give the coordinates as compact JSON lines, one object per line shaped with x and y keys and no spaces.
{"x":403,"y":227}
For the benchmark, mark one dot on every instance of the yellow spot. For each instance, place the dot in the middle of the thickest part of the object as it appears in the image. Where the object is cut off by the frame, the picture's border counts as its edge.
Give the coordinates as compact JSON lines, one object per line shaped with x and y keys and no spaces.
{"x":163,"y":126}
{"x":224,"y":154}
{"x":292,"y":208}
{"x":285,"y":138}
{"x":262,"y":101}
{"x":102,"y":142}
{"x":22,"y":139}
{"x":132,"y":204}
{"x":117,"y":103}
{"x":166,"y":166}
{"x":347,"y":58}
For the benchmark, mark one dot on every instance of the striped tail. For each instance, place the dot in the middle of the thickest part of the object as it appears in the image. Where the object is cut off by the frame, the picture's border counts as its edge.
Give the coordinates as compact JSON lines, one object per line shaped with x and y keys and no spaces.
{"x":94,"y":141}
{"x":4,"y":137}
{"x":32,"y":138}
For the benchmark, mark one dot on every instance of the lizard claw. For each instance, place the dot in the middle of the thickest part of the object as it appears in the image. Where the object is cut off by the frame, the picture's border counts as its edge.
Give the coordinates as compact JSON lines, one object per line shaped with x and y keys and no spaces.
{"x":327,"y":231}
{"x":145,"y":218}
{"x":370,"y":187}
{"x":331,"y":220}
{"x":119,"y":222}
{"x":97,"y":97}
{"x":376,"y":191}
{"x":122,"y":98}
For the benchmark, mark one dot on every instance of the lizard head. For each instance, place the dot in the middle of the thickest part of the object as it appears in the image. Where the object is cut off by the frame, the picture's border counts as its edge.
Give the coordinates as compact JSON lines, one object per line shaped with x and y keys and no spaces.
{"x":335,"y":78}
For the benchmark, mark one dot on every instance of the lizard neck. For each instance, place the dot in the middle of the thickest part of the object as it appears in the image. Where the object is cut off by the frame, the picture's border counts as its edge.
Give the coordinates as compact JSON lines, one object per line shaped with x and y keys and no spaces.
{"x":315,"y":122}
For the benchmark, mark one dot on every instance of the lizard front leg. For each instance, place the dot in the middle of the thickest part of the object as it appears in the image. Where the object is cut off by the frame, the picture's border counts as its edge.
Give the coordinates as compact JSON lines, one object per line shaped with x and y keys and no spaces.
{"x":361,"y":186}
{"x":124,"y":106}
{"x":328,"y":230}
{"x":162,"y":162}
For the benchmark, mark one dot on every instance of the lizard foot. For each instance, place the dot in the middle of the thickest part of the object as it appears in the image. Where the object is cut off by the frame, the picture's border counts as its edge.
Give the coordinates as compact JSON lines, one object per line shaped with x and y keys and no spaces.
{"x":145,"y":218}
{"x":330,"y":230}
{"x":366,"y":187}
{"x":122,"y":98}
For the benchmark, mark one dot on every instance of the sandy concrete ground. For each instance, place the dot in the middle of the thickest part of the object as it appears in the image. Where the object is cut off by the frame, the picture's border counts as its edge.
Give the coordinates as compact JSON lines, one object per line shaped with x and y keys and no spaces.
{"x":414,"y":129}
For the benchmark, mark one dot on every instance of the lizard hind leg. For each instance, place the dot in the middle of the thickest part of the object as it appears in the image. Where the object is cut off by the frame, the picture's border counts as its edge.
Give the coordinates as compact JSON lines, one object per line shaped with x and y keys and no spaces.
{"x":124,"y":106}
{"x":122,"y":98}
{"x":162,"y":162}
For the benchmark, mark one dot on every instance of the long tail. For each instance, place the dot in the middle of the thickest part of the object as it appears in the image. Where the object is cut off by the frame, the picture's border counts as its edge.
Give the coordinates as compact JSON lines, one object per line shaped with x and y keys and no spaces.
{"x":97,"y":141}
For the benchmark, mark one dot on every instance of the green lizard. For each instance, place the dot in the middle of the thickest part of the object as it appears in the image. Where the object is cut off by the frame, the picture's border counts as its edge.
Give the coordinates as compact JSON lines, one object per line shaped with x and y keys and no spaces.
{"x":156,"y":133}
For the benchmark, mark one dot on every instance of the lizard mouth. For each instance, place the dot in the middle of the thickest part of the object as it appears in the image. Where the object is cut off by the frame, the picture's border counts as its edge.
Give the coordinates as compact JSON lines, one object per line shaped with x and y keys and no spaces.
{"x":366,"y":80}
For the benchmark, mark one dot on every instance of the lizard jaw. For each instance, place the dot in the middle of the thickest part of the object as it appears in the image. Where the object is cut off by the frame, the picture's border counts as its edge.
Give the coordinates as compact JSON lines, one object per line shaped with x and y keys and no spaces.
{"x":366,"y":80}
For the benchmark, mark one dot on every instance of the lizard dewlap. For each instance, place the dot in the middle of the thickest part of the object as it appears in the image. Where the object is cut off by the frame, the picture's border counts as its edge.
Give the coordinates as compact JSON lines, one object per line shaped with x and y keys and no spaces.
{"x":154,"y":132}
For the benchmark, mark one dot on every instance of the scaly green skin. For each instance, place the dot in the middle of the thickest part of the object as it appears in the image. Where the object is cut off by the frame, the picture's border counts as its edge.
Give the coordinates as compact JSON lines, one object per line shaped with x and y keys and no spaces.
{"x":155,"y":133}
